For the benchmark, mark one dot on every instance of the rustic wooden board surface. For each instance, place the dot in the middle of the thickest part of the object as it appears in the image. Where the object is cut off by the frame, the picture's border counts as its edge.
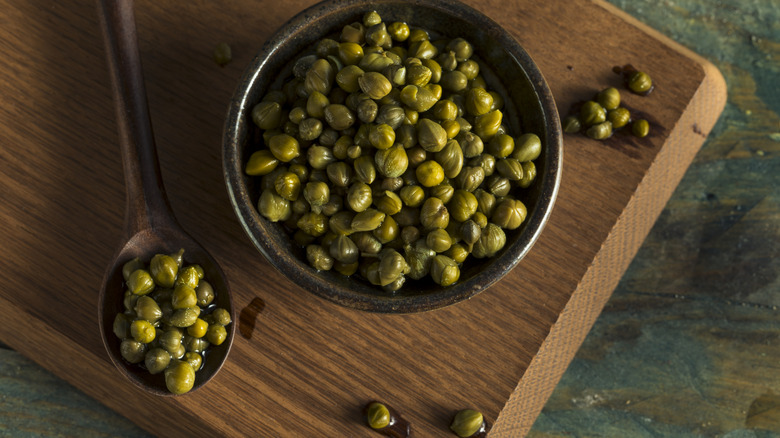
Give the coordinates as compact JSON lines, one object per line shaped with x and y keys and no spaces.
{"x":310,"y":365}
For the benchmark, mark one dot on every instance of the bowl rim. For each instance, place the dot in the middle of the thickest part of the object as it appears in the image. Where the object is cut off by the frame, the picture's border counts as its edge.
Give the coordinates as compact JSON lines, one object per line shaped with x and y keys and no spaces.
{"x":234,"y":134}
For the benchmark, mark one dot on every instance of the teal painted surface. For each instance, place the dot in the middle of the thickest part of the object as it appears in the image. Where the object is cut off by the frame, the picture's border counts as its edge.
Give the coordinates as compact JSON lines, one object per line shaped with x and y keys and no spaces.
{"x":35,"y":403}
{"x":690,"y":341}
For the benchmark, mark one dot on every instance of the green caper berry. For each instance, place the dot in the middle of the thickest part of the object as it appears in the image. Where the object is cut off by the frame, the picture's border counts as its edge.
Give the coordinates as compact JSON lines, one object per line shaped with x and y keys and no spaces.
{"x":398,"y":30}
{"x":222,"y":54}
{"x":640,"y":82}
{"x":619,"y":117}
{"x":467,"y":422}
{"x":571,"y":124}
{"x":609,"y":98}
{"x":592,"y":113}
{"x":600,"y":131}
{"x":377,"y":415}
{"x":640,"y":128}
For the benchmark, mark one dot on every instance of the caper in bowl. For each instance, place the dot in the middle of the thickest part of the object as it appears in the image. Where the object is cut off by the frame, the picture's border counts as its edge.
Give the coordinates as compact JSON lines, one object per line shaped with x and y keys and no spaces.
{"x":393,"y":157}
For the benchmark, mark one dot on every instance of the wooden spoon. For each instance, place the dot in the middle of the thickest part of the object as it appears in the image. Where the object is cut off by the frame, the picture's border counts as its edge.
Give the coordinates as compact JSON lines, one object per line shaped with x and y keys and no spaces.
{"x":150,"y":226}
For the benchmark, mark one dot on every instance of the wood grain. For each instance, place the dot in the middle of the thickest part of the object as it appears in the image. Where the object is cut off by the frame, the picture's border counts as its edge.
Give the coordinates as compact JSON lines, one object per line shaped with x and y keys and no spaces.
{"x":309,"y":365}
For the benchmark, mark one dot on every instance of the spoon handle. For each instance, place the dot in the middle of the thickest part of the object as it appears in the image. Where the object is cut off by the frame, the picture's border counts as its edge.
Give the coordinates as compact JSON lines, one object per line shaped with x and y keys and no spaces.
{"x":147,"y":206}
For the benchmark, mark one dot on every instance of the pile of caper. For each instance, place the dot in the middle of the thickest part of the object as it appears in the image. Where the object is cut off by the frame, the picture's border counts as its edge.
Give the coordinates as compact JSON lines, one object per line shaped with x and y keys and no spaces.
{"x":385,"y":154}
{"x":169,"y":319}
{"x":603,"y":115}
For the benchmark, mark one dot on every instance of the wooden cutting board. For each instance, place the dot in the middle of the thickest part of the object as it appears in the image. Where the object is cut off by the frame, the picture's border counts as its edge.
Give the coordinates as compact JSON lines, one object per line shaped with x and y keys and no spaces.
{"x":307,"y":366}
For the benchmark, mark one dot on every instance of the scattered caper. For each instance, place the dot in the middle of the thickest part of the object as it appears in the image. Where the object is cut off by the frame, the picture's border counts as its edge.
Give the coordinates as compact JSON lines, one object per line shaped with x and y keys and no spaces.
{"x":467,"y":423}
{"x":222,"y":54}
{"x":640,"y":128}
{"x":639,"y":82}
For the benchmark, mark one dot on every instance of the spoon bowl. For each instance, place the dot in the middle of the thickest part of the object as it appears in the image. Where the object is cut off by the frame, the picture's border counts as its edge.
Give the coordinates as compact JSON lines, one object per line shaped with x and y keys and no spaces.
{"x":150,"y":226}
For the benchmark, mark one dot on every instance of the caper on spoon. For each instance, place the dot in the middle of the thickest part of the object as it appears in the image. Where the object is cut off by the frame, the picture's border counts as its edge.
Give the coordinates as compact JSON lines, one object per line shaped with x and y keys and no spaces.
{"x":150,"y":226}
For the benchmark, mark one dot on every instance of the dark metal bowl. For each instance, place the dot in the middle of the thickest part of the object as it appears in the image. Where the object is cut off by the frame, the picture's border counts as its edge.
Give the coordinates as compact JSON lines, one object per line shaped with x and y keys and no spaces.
{"x":506,"y":67}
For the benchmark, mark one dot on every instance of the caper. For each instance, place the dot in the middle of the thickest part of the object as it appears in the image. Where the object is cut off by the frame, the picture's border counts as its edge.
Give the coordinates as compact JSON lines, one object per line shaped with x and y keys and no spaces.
{"x":619,"y":117}
{"x":510,"y":168}
{"x":388,"y":203}
{"x":390,"y":114}
{"x":367,"y":111}
{"x":640,"y":82}
{"x":381,"y":136}
{"x":571,"y":124}
{"x":319,"y":258}
{"x":470,"y":68}
{"x":430,"y":173}
{"x":398,"y":30}
{"x":640,"y":128}
{"x":288,"y":186}
{"x":179,"y":377}
{"x":347,"y":78}
{"x":313,"y":223}
{"x":391,"y":266}
{"x":438,"y":240}
{"x":529,"y":174}
{"x":359,"y":196}
{"x":319,"y":77}
{"x":156,"y":360}
{"x":367,"y":220}
{"x":490,"y":242}
{"x":471,"y":144}
{"x":487,"y":125}
{"x":391,"y":162}
{"x":467,"y":423}
{"x":448,"y":61}
{"x":375,"y":62}
{"x":418,"y":75}
{"x":140,"y":282}
{"x":339,"y":173}
{"x":216,"y":334}
{"x":387,"y":231}
{"x":163,"y":269}
{"x":142,"y":331}
{"x":509,"y":214}
{"x":444,"y":270}
{"x":147,"y":308}
{"x":132,"y":350}
{"x":592,"y":113}
{"x":338,"y":116}
{"x":443,"y":191}
{"x":222,"y":54}
{"x":501,"y":146}
{"x":609,"y":98}
{"x":422,"y":49}
{"x":528,"y":147}
{"x":377,"y":415}
{"x":273,"y":207}
{"x":434,"y":214}
{"x":284,"y":147}
{"x":189,"y":275}
{"x":471,"y":177}
{"x":205,"y":293}
{"x":430,"y":135}
{"x":185,"y":317}
{"x":267,"y":115}
{"x":375,"y":85}
{"x":600,"y":131}
{"x":450,"y":158}
{"x":462,"y":205}
{"x":420,"y":99}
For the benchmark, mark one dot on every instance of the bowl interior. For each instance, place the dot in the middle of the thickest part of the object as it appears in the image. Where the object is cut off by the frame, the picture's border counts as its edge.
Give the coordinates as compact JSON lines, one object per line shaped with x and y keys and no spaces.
{"x":507,"y":68}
